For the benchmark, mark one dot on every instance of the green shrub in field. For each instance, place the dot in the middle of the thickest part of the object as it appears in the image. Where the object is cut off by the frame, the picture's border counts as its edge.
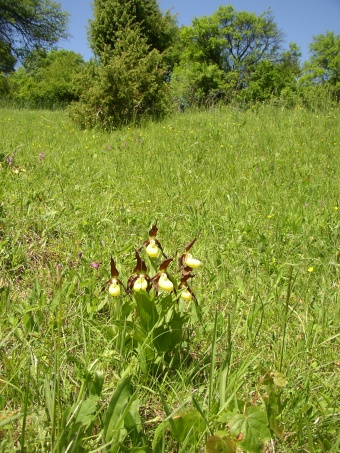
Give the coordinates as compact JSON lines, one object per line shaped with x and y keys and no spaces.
{"x":46,"y":78}
{"x":130,"y":40}
{"x":128,"y":86}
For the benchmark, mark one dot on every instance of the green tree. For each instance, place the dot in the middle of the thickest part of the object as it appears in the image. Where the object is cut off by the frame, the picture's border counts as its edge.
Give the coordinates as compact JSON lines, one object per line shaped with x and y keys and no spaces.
{"x":26,"y":25}
{"x":127,"y":80}
{"x":273,"y":78}
{"x":46,"y":77}
{"x":111,"y":16}
{"x":229,"y":45}
{"x":128,"y":87}
{"x":324,"y":63}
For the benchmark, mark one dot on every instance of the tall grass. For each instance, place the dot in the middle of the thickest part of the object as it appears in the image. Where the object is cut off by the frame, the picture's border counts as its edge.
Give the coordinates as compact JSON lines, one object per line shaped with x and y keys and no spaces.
{"x":261,"y":189}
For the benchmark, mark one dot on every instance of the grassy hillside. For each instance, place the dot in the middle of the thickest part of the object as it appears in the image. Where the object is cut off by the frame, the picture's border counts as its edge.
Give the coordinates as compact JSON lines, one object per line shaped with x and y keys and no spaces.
{"x":261,"y":191}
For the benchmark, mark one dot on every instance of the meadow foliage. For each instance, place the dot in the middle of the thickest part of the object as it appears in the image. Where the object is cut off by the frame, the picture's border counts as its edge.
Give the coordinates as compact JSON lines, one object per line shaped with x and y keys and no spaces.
{"x":107,"y":343}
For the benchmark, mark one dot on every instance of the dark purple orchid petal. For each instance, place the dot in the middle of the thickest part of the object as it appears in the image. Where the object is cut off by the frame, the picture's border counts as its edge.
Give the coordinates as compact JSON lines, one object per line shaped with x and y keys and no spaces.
{"x":153,"y":232}
{"x":188,"y":247}
{"x":165,"y":264}
{"x":160,"y":248}
{"x":140,"y":267}
{"x":114,"y":271}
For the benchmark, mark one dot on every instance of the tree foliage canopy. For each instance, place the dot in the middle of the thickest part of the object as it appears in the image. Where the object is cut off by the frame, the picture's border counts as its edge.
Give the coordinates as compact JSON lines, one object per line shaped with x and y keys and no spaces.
{"x":127,"y":81}
{"x":46,"y":78}
{"x":324,"y":63}
{"x":27,"y":25}
{"x":219,"y":54}
{"x":112,"y":16}
{"x":232,"y":40}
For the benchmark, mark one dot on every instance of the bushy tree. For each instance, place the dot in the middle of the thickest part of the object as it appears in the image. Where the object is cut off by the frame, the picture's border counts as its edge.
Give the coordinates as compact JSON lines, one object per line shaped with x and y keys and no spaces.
{"x":127,"y":80}
{"x":27,"y":25}
{"x":46,"y":77}
{"x":273,"y":79}
{"x":112,"y":16}
{"x":198,"y":83}
{"x":228,"y":46}
{"x":324,"y":63}
{"x":128,"y":87}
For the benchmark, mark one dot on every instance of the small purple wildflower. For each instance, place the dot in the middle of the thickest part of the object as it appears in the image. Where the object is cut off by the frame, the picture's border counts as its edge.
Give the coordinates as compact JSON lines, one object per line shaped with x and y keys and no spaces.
{"x":9,"y":160}
{"x":96,"y":265}
{"x":41,"y":156}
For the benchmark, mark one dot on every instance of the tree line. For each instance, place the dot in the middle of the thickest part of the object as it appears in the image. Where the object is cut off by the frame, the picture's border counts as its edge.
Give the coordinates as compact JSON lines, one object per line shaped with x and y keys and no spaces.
{"x":144,"y":65}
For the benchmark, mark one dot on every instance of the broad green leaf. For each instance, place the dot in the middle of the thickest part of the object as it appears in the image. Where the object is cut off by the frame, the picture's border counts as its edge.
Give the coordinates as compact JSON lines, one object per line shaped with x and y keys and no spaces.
{"x":162,"y":338}
{"x":146,"y":310}
{"x":133,"y":423}
{"x":188,"y":424}
{"x":95,"y":383}
{"x":159,"y":437}
{"x":231,"y":410}
{"x":87,"y":411}
{"x":119,"y":400}
{"x":216,"y":444}
{"x":146,"y":355}
{"x":164,"y":304}
{"x":251,"y":429}
{"x":279,"y":379}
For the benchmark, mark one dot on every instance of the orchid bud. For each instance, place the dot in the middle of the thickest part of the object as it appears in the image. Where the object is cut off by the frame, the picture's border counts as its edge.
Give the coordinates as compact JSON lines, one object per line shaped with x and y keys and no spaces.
{"x":165,"y":284}
{"x":140,"y":283}
{"x":114,"y":288}
{"x":152,"y":249}
{"x":191,"y":262}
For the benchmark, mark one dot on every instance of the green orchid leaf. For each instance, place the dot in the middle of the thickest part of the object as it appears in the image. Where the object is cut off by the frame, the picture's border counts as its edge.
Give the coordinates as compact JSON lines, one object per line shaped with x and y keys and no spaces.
{"x":146,"y":310}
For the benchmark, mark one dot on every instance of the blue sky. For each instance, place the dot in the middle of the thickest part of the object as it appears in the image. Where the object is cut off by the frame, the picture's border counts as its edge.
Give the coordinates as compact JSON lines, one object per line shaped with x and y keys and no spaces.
{"x":299,"y":20}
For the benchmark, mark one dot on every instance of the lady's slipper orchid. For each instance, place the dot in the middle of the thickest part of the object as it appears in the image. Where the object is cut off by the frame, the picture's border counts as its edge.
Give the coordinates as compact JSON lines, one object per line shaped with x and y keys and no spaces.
{"x":187,"y":261}
{"x":114,"y":282}
{"x":164,"y":283}
{"x":186,"y":295}
{"x":152,"y":249}
{"x":140,"y":283}
{"x":152,"y":245}
{"x":114,"y":288}
{"x":161,"y":280}
{"x":139,"y":280}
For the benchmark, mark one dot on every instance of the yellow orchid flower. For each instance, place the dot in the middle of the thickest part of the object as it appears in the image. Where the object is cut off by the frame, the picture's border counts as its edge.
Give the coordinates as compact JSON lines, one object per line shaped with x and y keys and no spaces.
{"x":186,"y":295}
{"x":139,"y":280}
{"x":164,"y":283}
{"x":152,"y":245}
{"x":152,"y":249}
{"x":140,"y":283}
{"x":114,"y":282}
{"x":187,"y":260}
{"x":190,"y":261}
{"x":161,"y":280}
{"x":114,"y":288}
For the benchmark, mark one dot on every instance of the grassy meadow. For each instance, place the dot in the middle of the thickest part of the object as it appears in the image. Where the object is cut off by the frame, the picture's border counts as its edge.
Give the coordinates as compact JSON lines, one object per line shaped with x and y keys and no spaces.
{"x":260,"y":189}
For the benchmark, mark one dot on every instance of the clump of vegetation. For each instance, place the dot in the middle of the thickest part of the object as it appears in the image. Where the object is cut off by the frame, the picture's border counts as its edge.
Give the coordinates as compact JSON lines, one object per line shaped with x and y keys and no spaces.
{"x":253,"y":362}
{"x":114,"y":341}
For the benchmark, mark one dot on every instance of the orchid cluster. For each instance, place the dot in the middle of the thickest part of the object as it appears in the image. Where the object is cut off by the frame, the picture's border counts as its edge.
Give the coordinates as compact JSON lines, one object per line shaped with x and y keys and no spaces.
{"x":162,"y":280}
